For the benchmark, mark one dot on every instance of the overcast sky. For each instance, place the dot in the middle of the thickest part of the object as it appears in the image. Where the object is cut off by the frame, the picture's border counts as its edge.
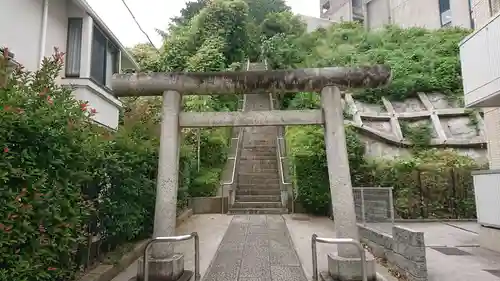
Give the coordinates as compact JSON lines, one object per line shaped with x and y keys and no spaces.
{"x":153,"y":14}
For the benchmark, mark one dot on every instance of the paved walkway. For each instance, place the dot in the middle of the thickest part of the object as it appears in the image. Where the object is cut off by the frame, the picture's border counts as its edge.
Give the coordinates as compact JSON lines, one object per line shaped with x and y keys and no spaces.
{"x":256,"y":248}
{"x":465,"y":261}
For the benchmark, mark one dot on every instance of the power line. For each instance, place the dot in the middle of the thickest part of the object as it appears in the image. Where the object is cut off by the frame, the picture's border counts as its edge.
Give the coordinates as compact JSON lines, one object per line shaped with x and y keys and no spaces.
{"x":138,"y":25}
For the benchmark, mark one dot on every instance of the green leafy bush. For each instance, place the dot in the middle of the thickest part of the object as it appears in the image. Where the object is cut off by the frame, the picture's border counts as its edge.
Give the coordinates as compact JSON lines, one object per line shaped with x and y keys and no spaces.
{"x":46,"y":144}
{"x":308,"y":157}
{"x":64,"y":179}
{"x":421,"y":60}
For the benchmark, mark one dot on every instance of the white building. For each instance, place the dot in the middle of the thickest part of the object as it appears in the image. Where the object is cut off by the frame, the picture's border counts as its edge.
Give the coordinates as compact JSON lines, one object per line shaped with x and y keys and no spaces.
{"x":313,"y":23}
{"x":480,"y":59}
{"x":93,"y":53}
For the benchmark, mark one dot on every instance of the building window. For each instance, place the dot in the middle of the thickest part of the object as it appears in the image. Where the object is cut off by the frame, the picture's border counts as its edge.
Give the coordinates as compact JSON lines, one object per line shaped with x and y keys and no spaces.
{"x":445,"y":11}
{"x":105,"y":58}
{"x":74,"y":47}
{"x":358,"y":18}
{"x":356,"y":3}
{"x":494,"y":7}
{"x":325,"y":7}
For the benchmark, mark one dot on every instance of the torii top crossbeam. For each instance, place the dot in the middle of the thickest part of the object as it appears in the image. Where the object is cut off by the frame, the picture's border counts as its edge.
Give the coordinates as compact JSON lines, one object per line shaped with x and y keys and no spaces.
{"x":296,"y":80}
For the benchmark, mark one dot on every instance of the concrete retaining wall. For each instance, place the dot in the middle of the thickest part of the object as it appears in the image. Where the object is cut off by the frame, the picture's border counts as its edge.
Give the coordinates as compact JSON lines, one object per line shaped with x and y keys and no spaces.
{"x":404,"y":250}
{"x":208,"y":205}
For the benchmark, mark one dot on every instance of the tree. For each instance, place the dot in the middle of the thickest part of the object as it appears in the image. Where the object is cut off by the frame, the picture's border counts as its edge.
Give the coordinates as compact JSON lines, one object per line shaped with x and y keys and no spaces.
{"x":282,"y":22}
{"x":190,"y":11}
{"x":257,"y":10}
{"x":146,"y":56}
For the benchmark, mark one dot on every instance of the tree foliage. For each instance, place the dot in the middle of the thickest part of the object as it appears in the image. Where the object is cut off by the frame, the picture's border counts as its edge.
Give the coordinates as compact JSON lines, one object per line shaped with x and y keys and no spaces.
{"x":421,"y":60}
{"x":220,"y":34}
{"x":146,"y":56}
{"x":63,"y":178}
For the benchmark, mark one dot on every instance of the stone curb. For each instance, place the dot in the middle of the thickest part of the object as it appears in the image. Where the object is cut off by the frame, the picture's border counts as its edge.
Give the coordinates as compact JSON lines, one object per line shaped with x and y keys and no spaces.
{"x":435,"y":220}
{"x":106,"y":272}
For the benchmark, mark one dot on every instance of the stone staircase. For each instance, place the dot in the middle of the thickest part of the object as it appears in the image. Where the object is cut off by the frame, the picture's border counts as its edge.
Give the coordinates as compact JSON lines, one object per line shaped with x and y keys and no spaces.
{"x":258,"y":179}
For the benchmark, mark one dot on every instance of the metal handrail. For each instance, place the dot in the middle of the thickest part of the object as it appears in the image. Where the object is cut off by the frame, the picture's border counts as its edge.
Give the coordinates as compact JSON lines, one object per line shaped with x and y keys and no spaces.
{"x":315,"y":239}
{"x":236,"y":154}
{"x":197,"y":275}
{"x":281,"y":170}
{"x":279,"y":147}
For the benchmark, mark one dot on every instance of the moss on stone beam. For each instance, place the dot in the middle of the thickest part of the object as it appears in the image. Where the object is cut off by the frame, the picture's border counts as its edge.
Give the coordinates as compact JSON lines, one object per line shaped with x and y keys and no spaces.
{"x":291,"y":81}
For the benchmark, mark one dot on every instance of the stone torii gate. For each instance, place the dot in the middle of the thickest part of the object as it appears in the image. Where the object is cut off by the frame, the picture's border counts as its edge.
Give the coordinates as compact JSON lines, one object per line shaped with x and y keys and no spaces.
{"x":165,"y":264}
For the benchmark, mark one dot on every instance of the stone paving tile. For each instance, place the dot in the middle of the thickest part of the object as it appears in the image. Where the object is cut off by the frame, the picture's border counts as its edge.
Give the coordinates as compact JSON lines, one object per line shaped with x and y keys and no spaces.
{"x":256,"y":248}
{"x":287,"y":273}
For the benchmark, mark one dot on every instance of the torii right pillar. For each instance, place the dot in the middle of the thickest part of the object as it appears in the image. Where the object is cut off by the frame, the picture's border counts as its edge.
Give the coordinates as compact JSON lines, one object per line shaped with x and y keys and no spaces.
{"x":345,"y":265}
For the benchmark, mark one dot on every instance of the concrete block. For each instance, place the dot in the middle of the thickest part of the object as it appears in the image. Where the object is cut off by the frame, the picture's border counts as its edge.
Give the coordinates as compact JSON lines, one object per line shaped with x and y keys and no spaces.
{"x":489,"y":238}
{"x":407,"y":267}
{"x":376,"y":249}
{"x":349,"y":269}
{"x":412,"y":253}
{"x":169,"y":269}
{"x":408,"y":236}
{"x":207,"y":205}
{"x":378,"y":237}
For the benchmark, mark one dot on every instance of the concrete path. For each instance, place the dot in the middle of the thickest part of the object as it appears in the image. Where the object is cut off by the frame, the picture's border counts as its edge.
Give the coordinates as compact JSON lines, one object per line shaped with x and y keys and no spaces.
{"x":464,"y":260}
{"x":301,"y":232}
{"x":210,"y":228}
{"x":256,"y":248}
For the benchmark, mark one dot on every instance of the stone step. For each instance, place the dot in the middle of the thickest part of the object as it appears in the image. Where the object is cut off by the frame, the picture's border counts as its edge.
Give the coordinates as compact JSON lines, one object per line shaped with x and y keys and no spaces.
{"x":258,"y":198}
{"x":257,"y":180}
{"x":247,"y":205}
{"x":246,"y":153}
{"x":260,"y":148}
{"x":258,"y":186}
{"x":241,"y":211}
{"x":258,"y":169}
{"x":260,"y":141}
{"x":253,"y":157}
{"x":262,"y":164}
{"x":259,"y":175}
{"x":260,"y":191}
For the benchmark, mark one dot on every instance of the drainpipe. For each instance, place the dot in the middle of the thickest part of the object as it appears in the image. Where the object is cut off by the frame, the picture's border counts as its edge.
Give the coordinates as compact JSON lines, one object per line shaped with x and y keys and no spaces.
{"x":43,"y":36}
{"x":351,"y":11}
{"x":472,"y":26}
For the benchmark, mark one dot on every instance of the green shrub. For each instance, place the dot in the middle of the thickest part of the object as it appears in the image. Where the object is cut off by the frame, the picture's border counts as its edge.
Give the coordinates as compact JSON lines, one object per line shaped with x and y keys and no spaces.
{"x":64,"y":179}
{"x":308,"y":156}
{"x":46,"y":144}
{"x":421,"y":60}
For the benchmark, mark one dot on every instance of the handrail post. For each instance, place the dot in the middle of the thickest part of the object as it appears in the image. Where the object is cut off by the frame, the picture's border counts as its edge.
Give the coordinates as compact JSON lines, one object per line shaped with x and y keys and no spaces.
{"x":363,"y":211}
{"x":315,"y":239}
{"x":237,"y":156}
{"x":391,"y":204}
{"x":145,"y":265}
{"x":314,"y":251}
{"x":197,"y":275}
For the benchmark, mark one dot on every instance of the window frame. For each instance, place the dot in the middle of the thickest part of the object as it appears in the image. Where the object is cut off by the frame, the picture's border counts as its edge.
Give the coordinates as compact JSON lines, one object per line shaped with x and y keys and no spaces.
{"x":74,"y":54}
{"x":108,"y":48}
{"x":445,"y":11}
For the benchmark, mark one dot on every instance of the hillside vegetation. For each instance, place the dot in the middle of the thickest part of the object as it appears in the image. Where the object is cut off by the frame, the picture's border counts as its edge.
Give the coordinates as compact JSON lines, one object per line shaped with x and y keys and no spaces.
{"x":222,"y":34}
{"x":65,"y":180}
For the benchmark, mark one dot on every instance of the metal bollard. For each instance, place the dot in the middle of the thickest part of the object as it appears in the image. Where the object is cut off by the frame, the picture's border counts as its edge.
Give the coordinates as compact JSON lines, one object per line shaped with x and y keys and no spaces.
{"x":315,"y":239}
{"x":180,"y":238}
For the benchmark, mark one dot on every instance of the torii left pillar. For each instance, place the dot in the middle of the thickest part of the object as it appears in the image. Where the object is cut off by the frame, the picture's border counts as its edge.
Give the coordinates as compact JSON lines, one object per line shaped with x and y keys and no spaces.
{"x":164,"y":263}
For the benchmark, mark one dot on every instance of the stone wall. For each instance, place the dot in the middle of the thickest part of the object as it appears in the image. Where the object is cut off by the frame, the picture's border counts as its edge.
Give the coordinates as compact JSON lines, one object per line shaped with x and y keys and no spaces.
{"x":404,"y":250}
{"x":380,"y":125}
{"x":208,"y":205}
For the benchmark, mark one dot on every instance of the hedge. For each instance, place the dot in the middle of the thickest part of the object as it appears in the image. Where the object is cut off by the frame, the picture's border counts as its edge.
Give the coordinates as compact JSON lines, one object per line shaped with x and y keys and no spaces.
{"x":430,"y":184}
{"x":64,"y":179}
